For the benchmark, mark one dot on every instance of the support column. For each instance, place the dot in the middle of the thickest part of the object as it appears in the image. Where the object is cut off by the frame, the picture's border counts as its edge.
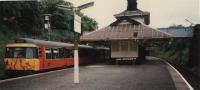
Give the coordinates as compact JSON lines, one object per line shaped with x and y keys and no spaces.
{"x":76,"y":59}
{"x":141,"y":54}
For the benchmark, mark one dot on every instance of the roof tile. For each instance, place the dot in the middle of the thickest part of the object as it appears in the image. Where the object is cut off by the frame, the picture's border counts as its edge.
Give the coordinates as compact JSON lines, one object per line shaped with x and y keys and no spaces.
{"x":124,"y":32}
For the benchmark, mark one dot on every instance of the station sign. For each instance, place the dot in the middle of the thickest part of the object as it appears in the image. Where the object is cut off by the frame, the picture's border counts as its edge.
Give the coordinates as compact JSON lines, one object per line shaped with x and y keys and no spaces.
{"x":77,"y":23}
{"x":47,"y":22}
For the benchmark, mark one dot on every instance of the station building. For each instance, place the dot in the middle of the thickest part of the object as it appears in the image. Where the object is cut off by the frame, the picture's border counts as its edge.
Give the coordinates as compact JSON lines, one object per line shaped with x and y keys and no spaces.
{"x":128,"y":36}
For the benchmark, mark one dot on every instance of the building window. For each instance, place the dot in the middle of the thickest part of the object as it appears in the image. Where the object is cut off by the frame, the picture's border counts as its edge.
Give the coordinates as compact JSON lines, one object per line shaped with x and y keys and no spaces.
{"x":135,"y":34}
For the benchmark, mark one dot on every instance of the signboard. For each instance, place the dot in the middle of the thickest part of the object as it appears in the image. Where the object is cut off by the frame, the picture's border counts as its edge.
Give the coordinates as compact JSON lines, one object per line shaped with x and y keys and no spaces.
{"x":85,"y":6}
{"x":77,"y":23}
{"x":46,"y":22}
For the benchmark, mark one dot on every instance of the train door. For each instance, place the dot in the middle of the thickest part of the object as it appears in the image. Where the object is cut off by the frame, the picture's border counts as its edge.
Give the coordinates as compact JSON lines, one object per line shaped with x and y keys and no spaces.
{"x":42,"y":57}
{"x":48,"y":52}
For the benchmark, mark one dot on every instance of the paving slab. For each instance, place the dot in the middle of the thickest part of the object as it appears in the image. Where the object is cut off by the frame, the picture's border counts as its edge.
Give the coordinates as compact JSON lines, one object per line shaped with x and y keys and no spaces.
{"x":151,"y":75}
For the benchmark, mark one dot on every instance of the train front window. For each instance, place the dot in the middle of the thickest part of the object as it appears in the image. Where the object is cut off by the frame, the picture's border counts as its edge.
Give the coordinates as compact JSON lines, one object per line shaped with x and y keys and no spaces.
{"x":21,"y":52}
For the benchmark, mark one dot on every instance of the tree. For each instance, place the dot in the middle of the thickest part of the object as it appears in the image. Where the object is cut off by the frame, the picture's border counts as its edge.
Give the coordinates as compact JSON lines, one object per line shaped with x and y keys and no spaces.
{"x":20,"y":16}
{"x":62,"y":19}
{"x":25,"y":19}
{"x":176,"y":50}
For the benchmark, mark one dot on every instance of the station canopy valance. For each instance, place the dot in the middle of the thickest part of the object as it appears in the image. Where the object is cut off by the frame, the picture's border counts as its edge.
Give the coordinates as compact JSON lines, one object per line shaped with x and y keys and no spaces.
{"x":125,"y":31}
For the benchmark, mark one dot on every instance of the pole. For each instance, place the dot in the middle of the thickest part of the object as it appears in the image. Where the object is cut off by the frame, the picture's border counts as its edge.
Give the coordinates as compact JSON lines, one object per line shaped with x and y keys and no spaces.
{"x":49,"y":29}
{"x":76,"y":58}
{"x":49,"y":34}
{"x":76,"y":37}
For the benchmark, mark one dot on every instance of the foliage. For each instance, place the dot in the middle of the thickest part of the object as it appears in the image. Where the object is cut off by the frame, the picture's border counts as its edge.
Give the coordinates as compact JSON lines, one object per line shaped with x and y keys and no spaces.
{"x":5,"y":37}
{"x":88,"y":24}
{"x":20,"y":16}
{"x":61,"y":19}
{"x":176,"y":51}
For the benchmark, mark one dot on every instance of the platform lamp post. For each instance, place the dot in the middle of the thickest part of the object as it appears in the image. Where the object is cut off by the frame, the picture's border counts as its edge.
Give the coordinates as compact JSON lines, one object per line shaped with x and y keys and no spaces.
{"x":77,"y":31}
{"x":47,"y":24}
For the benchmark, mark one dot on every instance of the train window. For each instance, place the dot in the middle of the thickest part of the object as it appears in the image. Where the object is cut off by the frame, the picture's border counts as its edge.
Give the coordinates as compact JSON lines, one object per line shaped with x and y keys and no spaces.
{"x":67,"y":53}
{"x":48,"y":53}
{"x":56,"y":53}
{"x":71,"y":53}
{"x":21,"y":52}
{"x":9,"y":53}
{"x":31,"y":53}
{"x":61,"y":52}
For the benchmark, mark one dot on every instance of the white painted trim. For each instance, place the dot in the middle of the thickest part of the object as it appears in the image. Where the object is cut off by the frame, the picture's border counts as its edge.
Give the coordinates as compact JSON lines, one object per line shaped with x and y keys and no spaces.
{"x":33,"y":75}
{"x":190,"y":87}
{"x":76,"y":67}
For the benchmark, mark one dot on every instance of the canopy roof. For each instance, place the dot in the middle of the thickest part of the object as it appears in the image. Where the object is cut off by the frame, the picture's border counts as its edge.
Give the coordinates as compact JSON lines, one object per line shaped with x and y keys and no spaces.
{"x":125,"y":28}
{"x":132,"y":13}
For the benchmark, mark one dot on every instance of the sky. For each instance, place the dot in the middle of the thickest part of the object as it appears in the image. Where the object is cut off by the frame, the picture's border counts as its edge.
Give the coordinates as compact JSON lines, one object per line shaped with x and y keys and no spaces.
{"x":163,"y":12}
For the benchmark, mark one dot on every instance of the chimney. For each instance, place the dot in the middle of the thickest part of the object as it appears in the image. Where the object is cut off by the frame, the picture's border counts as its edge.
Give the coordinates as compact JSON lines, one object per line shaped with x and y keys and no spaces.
{"x":132,"y":5}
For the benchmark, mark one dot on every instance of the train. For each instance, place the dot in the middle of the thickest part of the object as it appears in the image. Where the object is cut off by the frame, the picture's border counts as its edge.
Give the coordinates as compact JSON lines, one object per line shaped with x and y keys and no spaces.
{"x":27,"y":54}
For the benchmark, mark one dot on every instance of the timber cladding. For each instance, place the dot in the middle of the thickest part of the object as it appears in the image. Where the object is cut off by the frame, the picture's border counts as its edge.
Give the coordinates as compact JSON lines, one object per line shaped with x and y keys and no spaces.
{"x":124,"y":49}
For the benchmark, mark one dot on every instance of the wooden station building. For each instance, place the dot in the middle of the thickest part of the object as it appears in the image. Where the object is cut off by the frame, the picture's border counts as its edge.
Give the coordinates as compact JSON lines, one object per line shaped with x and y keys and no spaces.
{"x":129,"y":35}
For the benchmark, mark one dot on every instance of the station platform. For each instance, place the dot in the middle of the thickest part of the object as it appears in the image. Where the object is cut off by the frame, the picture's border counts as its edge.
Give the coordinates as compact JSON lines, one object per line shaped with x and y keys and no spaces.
{"x":153,"y":74}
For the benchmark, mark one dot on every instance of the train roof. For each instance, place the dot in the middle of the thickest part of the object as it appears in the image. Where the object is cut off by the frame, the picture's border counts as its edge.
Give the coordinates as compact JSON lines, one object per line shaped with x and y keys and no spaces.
{"x":49,"y":43}
{"x":55,"y":44}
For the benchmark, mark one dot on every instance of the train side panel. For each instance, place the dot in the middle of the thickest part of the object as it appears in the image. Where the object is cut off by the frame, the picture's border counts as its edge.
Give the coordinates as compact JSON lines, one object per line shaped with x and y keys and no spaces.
{"x":55,"y":59}
{"x":42,"y":57}
{"x":39,"y":55}
{"x":22,"y":64}
{"x":17,"y":58}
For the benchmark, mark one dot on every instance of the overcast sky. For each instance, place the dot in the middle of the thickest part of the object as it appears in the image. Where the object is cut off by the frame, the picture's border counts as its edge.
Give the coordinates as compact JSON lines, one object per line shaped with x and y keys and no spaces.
{"x":163,"y":12}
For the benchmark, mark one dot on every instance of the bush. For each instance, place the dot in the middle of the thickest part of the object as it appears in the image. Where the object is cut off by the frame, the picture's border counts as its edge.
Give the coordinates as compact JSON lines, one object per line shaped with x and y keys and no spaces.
{"x":177,"y":51}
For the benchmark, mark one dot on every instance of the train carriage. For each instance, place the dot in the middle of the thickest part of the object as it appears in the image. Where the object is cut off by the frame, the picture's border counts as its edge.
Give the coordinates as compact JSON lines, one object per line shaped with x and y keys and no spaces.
{"x":38,"y":55}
